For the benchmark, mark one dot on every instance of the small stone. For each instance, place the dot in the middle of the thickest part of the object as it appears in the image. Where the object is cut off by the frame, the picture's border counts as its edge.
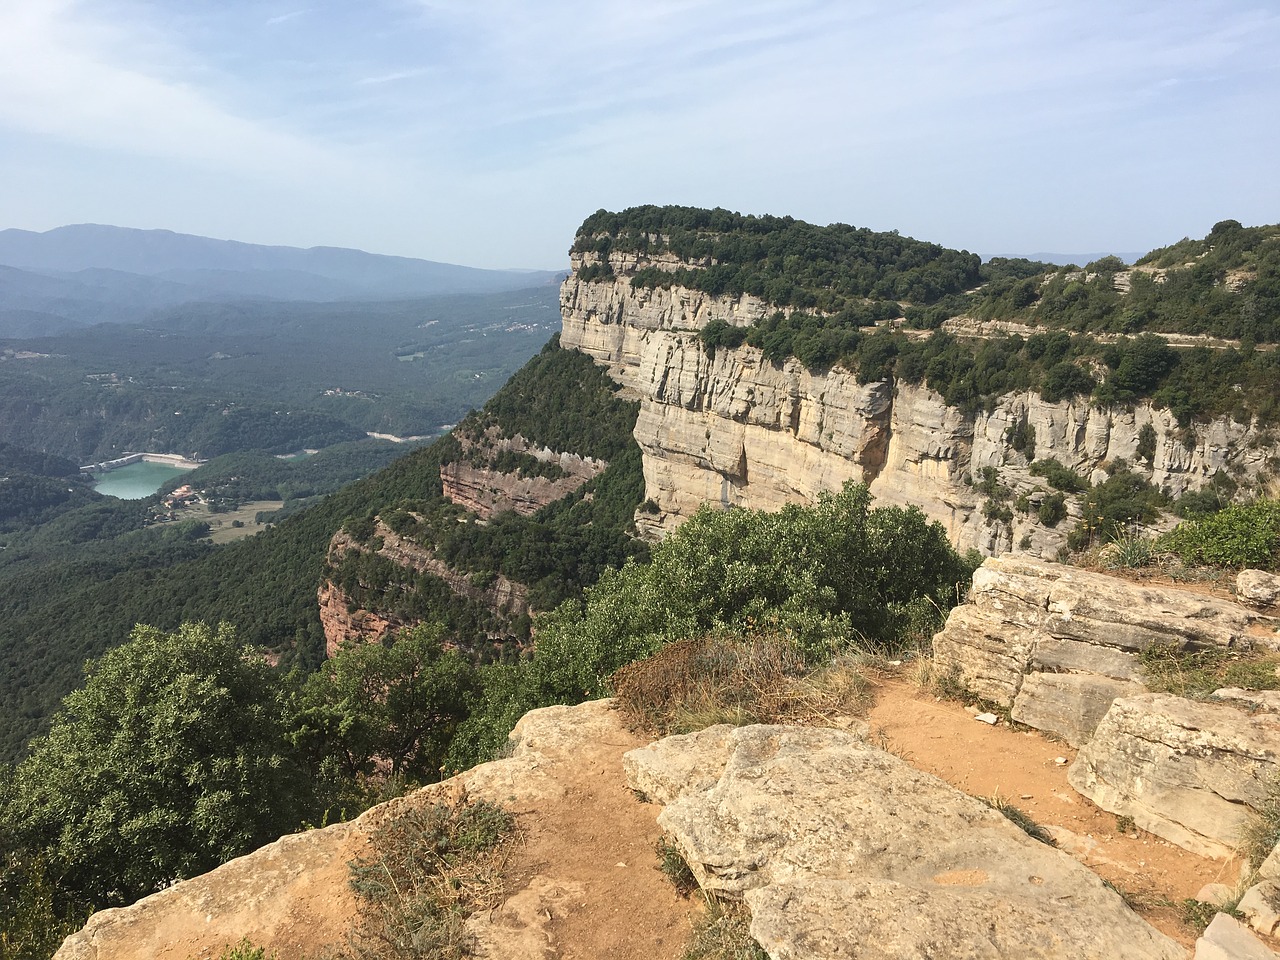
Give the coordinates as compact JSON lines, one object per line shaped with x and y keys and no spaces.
{"x":1215,"y":893}
{"x":1060,"y":761}
{"x":990,"y":718}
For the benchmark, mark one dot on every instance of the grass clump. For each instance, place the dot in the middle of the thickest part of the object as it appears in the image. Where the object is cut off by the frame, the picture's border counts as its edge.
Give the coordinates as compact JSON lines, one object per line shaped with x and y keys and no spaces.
{"x":739,"y":679}
{"x":1021,"y":819}
{"x":1197,"y":914}
{"x":245,"y":950}
{"x":1168,"y":668}
{"x":724,"y":933}
{"x":428,"y":870}
{"x":1263,"y":832}
{"x":674,"y":867}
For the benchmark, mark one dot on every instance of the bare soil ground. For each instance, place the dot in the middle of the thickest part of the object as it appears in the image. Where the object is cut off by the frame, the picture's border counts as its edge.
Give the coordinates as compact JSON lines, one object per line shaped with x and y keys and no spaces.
{"x":1026,"y":768}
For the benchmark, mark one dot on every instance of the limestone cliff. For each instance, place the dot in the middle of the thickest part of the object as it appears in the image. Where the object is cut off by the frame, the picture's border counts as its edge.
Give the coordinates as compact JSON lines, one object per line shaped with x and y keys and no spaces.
{"x":734,"y":428}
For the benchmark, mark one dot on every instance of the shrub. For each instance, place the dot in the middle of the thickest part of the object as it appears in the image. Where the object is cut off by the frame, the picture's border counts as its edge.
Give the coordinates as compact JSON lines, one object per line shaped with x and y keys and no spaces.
{"x":1242,"y":535}
{"x":1052,"y":510}
{"x":1058,"y":476}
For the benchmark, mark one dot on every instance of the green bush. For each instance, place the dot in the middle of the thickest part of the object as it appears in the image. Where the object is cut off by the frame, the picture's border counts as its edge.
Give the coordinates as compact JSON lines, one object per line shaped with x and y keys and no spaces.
{"x":1242,"y":535}
{"x":1058,"y":476}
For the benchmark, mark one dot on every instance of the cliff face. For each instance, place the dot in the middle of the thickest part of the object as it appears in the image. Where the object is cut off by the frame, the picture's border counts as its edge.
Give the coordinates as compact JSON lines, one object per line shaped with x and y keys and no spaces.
{"x":734,"y":428}
{"x":486,"y":491}
{"x":342,"y":624}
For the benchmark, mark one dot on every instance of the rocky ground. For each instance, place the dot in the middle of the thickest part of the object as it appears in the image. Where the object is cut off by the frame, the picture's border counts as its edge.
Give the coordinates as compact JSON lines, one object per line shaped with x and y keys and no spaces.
{"x":583,"y":879}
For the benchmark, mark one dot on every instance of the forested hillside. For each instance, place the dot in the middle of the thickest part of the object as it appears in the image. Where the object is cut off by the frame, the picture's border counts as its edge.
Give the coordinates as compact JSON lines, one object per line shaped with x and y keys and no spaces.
{"x":211,"y":379}
{"x":62,"y":601}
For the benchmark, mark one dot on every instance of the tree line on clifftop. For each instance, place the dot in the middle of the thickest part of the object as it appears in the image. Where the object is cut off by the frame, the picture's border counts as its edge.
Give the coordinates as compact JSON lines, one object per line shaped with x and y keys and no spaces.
{"x":838,"y":287}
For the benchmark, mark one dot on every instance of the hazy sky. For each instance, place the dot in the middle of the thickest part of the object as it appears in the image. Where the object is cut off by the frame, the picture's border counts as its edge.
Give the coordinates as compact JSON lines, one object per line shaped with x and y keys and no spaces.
{"x":484,"y":132}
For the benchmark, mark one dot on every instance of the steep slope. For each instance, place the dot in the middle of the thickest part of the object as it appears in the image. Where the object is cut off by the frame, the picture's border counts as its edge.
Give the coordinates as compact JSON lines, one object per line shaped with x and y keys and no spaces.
{"x":537,"y":494}
{"x":730,"y":413}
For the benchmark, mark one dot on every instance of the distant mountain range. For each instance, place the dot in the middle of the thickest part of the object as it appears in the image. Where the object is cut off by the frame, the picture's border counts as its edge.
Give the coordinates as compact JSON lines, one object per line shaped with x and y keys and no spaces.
{"x":89,"y":273}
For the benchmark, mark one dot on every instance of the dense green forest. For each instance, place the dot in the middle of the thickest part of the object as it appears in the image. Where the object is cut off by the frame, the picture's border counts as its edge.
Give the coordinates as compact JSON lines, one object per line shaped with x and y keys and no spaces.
{"x":73,"y":591}
{"x":211,"y":379}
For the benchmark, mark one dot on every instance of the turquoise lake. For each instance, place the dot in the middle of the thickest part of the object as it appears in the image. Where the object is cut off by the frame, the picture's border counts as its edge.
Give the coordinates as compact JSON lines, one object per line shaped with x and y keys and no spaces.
{"x":136,"y":481}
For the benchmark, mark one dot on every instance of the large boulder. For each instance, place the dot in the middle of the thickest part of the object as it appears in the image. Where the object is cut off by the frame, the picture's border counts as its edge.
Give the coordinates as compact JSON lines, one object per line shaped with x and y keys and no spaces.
{"x":1056,"y":645}
{"x":842,"y":850}
{"x":1191,"y":772}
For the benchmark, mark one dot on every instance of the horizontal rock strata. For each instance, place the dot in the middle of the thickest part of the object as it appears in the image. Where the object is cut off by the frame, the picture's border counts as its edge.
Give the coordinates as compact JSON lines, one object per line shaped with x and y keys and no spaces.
{"x":728,"y":426}
{"x":1194,"y":773}
{"x":1056,"y":644}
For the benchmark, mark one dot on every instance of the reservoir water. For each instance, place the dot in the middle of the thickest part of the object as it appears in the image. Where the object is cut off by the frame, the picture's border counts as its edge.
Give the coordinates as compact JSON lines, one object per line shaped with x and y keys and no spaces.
{"x":135,"y":481}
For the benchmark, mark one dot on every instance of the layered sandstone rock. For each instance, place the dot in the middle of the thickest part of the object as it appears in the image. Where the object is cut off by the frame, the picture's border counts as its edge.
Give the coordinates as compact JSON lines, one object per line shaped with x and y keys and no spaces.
{"x":341,"y":623}
{"x":1057,"y":644}
{"x":1194,"y":773}
{"x":486,"y":491}
{"x":841,"y":850}
{"x":733,"y":428}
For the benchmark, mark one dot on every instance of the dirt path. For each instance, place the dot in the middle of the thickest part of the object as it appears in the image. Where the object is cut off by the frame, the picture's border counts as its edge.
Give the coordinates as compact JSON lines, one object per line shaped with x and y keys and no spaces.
{"x":1024,"y":768}
{"x":585,"y":883}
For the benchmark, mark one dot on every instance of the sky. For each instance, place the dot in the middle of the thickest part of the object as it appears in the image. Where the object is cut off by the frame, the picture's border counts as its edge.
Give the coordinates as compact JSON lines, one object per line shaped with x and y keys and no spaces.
{"x":484,"y":133}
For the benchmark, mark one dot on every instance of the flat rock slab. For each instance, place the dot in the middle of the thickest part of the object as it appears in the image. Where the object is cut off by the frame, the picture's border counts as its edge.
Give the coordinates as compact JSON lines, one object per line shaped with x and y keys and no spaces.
{"x":843,"y":850}
{"x":1191,"y":772}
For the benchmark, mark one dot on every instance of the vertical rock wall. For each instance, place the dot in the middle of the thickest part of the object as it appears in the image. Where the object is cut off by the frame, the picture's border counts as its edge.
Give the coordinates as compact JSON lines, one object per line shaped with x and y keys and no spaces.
{"x":734,"y":428}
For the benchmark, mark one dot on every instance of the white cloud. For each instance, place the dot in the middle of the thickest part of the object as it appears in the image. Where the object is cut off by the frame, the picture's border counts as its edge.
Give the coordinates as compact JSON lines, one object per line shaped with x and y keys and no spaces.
{"x":68,"y":75}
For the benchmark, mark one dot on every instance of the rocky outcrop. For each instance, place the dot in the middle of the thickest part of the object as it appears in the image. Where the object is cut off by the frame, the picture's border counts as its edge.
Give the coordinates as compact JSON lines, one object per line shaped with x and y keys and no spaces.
{"x":486,"y":491}
{"x":842,"y":850}
{"x":1194,"y":773}
{"x":344,"y":622}
{"x":1227,"y":939}
{"x":731,"y":427}
{"x":1056,"y":644}
{"x":293,"y":896}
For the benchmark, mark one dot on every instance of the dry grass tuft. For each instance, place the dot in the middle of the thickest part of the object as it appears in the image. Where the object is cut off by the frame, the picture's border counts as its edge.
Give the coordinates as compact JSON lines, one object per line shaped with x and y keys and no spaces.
{"x":693,"y":684}
{"x":428,"y":869}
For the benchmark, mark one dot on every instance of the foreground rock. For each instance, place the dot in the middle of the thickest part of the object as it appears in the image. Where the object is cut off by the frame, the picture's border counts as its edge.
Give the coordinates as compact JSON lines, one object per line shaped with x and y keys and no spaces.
{"x":842,"y":850}
{"x":1056,"y":645}
{"x":293,"y":896}
{"x":1193,"y":773}
{"x":1227,"y":939}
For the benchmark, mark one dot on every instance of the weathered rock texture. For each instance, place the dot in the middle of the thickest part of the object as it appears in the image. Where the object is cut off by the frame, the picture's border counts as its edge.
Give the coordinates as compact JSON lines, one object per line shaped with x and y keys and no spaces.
{"x":1258,"y":588}
{"x":500,"y":594}
{"x":1057,"y":644}
{"x":293,"y":897}
{"x":1194,"y":773}
{"x":1227,"y":939}
{"x":734,"y":428}
{"x":486,"y":491}
{"x":842,"y":850}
